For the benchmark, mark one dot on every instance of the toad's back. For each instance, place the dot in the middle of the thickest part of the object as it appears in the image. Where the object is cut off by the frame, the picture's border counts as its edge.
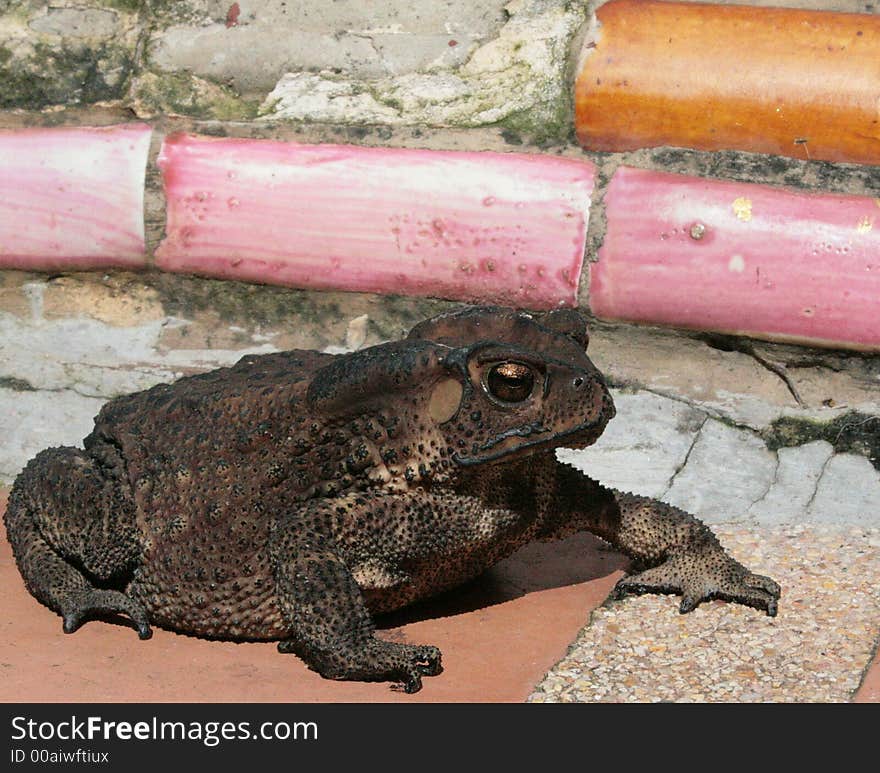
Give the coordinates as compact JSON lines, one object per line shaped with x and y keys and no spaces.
{"x":200,"y":456}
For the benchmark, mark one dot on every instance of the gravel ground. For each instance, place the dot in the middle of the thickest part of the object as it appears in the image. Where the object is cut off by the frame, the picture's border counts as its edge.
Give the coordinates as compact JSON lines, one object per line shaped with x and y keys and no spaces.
{"x":641,"y":650}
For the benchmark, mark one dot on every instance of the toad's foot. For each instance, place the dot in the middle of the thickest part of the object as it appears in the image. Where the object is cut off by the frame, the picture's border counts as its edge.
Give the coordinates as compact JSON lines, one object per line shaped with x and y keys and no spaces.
{"x":422,"y":660}
{"x":78,"y":607}
{"x":379,"y":660}
{"x":700,"y":577}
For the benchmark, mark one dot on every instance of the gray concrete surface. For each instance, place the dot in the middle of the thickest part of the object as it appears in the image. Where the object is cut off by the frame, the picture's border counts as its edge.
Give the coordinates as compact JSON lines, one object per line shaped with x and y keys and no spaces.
{"x":663,"y":448}
{"x":363,"y":40}
{"x":695,"y":424}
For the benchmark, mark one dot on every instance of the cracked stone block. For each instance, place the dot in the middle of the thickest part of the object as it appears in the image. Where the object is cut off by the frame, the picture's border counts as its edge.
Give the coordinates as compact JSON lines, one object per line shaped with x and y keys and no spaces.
{"x":217,"y":52}
{"x":87,"y":295}
{"x":642,"y":447}
{"x":733,"y":386}
{"x":94,"y":357}
{"x":362,"y":40}
{"x":420,"y":52}
{"x":80,"y":354}
{"x":77,"y":22}
{"x":727,"y":470}
{"x":31,"y":421}
{"x":515,"y":74}
{"x":794,"y":484}
{"x":849,"y":490}
{"x":62,"y":371}
{"x":69,"y":52}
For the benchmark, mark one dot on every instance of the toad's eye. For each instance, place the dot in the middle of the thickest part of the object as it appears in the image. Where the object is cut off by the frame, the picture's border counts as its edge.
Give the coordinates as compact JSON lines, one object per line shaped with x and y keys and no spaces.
{"x":511,"y":382}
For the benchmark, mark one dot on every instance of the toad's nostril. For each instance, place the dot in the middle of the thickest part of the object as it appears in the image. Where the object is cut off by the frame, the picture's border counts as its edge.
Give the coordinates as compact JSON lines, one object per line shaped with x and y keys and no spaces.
{"x":577,"y":382}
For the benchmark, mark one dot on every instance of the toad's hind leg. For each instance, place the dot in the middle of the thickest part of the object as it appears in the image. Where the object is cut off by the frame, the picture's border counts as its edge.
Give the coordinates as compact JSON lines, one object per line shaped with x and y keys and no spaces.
{"x":72,"y":530}
{"x":329,"y":625}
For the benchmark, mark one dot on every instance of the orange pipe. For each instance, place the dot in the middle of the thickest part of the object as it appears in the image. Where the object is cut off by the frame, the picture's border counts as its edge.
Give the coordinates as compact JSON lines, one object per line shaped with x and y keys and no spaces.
{"x":770,"y":80}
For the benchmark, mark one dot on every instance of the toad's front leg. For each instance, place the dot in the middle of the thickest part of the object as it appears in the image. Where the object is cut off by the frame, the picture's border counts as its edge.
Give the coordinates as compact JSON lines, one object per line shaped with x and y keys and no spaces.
{"x":330,"y":627}
{"x":680,"y":553}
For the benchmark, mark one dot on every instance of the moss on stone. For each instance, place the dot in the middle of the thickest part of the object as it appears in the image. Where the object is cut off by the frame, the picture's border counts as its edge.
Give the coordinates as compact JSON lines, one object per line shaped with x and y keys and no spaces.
{"x":168,"y":12}
{"x":63,"y":76}
{"x":183,"y":93}
{"x":18,"y":11}
{"x":511,"y":137}
{"x":852,"y":432}
{"x":271,"y":306}
{"x":127,"y":6}
{"x":859,"y":180}
{"x":16,"y":384}
{"x":393,"y":103}
{"x":544,"y":126}
{"x":232,"y":301}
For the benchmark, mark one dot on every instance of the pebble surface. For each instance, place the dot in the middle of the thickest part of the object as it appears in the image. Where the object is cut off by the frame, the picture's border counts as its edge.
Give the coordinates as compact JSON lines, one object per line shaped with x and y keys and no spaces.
{"x":816,"y":650}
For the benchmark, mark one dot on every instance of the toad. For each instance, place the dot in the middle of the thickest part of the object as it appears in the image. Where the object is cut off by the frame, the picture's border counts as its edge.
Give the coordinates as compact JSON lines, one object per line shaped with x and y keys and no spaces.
{"x":295,"y":495}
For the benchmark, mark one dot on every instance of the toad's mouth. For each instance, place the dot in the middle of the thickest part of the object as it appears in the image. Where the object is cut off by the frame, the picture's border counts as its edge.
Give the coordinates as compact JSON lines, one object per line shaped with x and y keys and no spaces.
{"x":586,"y":434}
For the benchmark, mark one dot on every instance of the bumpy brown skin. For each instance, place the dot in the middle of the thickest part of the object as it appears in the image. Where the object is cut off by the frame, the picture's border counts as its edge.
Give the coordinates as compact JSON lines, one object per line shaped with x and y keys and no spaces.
{"x":293,"y":495}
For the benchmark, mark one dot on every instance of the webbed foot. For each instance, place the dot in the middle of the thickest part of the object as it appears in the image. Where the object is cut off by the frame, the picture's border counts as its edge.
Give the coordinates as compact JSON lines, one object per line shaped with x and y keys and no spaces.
{"x":700,"y":577}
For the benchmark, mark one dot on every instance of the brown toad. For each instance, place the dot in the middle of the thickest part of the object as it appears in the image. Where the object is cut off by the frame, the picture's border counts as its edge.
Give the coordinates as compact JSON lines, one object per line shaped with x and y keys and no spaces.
{"x":295,"y":494}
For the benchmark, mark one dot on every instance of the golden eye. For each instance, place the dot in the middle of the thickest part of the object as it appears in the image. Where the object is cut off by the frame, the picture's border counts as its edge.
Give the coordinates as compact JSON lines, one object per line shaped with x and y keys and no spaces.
{"x":511,"y":382}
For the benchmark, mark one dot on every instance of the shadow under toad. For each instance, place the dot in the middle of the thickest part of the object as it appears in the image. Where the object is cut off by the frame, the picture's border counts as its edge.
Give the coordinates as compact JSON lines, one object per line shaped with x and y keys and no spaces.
{"x":535,"y":567}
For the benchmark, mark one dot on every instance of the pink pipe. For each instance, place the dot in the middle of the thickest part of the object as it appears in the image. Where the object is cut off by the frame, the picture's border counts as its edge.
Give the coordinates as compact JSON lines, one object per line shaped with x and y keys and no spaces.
{"x":489,"y":227}
{"x":740,"y":258}
{"x":73,"y":197}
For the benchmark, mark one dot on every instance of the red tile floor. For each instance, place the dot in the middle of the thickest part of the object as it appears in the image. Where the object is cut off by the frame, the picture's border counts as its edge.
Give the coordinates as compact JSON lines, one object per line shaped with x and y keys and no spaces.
{"x":499,"y":635}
